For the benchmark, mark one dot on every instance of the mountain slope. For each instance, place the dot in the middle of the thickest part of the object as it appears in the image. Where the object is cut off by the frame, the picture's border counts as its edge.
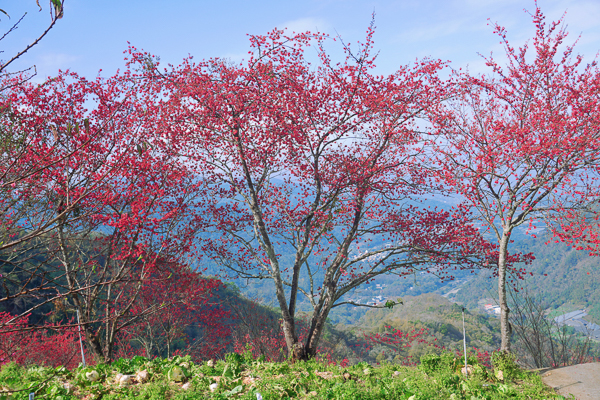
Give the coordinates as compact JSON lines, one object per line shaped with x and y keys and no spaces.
{"x":560,"y":277}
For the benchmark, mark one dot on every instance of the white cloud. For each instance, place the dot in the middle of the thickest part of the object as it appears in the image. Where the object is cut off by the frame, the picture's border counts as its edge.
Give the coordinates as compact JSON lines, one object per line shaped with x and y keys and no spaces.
{"x":55,"y":61}
{"x":428,"y":33}
{"x":306,"y":24}
{"x":235,"y":57}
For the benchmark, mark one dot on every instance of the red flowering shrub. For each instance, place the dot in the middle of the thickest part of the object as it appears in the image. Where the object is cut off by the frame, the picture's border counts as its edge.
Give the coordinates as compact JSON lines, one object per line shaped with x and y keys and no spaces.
{"x":51,"y":345}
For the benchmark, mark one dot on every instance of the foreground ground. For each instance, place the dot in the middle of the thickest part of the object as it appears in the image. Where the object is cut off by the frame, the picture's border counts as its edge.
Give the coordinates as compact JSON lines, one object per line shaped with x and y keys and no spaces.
{"x":241,"y":377}
{"x":581,"y":381}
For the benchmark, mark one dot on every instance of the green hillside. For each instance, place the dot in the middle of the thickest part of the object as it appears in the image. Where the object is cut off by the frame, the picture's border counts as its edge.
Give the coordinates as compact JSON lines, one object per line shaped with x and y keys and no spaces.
{"x":441,"y":320}
{"x":562,"y":278}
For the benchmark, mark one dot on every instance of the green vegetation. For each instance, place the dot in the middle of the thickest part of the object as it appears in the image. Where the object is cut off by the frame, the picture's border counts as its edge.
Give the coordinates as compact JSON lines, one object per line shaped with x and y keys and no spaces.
{"x":440,"y":318}
{"x":240,"y":376}
{"x":563,"y":278}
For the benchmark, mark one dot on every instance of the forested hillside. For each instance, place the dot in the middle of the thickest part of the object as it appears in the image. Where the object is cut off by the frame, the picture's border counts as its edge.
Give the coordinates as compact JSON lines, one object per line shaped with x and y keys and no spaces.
{"x":439,"y":320}
{"x":560,"y":277}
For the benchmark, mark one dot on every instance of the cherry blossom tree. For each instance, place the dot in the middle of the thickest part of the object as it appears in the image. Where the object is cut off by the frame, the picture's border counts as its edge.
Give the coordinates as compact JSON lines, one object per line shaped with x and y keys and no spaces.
{"x":46,"y":144}
{"x":305,"y":164}
{"x":53,"y":346}
{"x":186,"y":303}
{"x":90,"y":207}
{"x":521,"y":144}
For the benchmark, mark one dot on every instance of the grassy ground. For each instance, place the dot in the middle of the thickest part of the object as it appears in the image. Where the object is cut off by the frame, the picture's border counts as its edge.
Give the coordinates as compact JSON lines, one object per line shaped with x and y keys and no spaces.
{"x":241,"y":377}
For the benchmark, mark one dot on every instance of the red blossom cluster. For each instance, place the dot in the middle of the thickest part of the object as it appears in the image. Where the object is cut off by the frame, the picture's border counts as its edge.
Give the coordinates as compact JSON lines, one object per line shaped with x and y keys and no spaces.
{"x":186,"y":313}
{"x":398,"y":342}
{"x":268,"y":340}
{"x":53,"y":345}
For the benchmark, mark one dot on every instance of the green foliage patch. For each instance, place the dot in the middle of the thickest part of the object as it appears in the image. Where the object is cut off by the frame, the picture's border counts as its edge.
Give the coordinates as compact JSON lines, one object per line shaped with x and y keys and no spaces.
{"x":240,"y":376}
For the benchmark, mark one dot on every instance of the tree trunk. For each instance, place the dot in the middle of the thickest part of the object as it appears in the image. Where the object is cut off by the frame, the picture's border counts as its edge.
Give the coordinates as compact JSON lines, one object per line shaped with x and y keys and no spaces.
{"x":318,"y":324}
{"x":92,"y":339}
{"x":505,"y":330}
{"x":313,"y":341}
{"x":108,"y":349}
{"x":308,"y":350}
{"x":94,"y":345}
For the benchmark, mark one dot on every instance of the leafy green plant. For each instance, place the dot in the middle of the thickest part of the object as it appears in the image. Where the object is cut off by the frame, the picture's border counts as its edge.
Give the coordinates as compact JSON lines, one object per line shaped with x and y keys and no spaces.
{"x":445,"y":362}
{"x":505,"y":366}
{"x":239,"y":377}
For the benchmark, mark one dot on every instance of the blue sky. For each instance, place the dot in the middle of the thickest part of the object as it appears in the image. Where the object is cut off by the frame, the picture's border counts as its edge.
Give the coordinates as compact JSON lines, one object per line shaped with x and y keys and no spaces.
{"x":93,"y":34}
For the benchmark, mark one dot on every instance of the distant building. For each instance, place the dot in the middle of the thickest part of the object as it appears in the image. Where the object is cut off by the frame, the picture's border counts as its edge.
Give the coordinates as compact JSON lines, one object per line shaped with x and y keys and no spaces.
{"x":377,"y":299}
